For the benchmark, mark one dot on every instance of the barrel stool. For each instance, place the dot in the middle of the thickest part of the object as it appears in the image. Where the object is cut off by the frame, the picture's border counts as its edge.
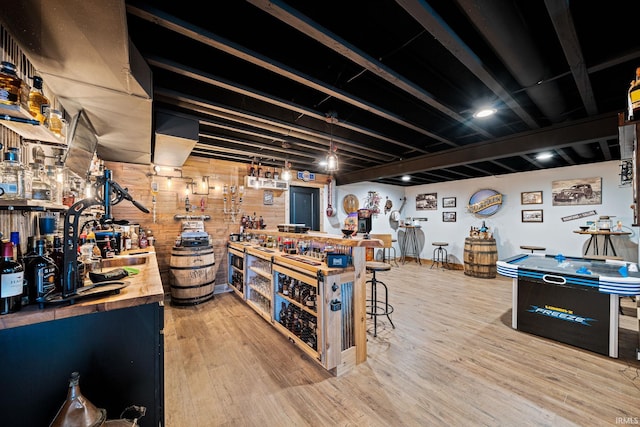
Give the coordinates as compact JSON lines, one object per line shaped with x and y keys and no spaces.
{"x":533,"y":248}
{"x":440,"y":255}
{"x":376,"y":307}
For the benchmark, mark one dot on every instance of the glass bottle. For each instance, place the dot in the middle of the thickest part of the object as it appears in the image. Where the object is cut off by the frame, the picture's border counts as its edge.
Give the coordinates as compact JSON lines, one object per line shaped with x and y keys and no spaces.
{"x":40,"y":188}
{"x":41,"y":273}
{"x":634,"y":97}
{"x":267,"y":174}
{"x":37,"y":102}
{"x":10,"y":84}
{"x":56,"y":188}
{"x":259,"y":172}
{"x":12,"y":175}
{"x":11,"y":281}
{"x":57,"y":255}
{"x":252,"y":169}
{"x":276,"y":174}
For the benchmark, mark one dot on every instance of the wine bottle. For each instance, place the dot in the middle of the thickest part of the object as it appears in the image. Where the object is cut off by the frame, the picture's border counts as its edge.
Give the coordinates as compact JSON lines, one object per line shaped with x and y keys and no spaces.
{"x":57,"y":255}
{"x":11,"y":279}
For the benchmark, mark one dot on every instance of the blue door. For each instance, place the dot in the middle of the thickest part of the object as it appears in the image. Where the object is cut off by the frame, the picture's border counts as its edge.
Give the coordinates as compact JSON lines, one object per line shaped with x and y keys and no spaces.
{"x":304,"y":206}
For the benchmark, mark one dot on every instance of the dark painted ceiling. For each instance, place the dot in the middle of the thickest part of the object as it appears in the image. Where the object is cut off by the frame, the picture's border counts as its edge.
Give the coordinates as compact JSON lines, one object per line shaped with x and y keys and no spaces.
{"x":403,"y":78}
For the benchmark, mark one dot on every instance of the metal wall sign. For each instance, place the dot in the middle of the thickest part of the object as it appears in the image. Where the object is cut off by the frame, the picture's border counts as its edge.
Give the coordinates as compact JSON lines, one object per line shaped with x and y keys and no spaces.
{"x":306,"y":176}
{"x":485,"y":202}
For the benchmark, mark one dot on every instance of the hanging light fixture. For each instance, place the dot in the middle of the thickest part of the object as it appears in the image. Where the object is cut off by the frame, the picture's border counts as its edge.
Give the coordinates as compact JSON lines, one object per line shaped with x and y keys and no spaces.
{"x":286,"y":171}
{"x":332,"y":157}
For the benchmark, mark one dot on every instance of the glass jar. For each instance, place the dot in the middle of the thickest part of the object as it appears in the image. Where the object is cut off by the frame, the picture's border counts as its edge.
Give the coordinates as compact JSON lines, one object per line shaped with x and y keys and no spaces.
{"x":40,"y":188}
{"x":10,"y":84}
{"x":12,"y":175}
{"x":55,"y":122}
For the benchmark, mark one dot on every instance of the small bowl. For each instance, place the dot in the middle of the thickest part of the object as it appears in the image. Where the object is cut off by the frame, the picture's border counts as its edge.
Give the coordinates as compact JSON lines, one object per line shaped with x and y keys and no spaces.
{"x":584,"y":227}
{"x":347,"y":233}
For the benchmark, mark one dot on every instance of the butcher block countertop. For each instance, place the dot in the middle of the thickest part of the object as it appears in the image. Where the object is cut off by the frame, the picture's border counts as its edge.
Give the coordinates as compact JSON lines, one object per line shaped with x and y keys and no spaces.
{"x":145,"y":287}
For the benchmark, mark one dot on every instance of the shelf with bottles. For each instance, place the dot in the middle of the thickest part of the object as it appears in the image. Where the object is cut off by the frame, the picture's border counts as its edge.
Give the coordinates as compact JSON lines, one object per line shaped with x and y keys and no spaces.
{"x":296,"y":313}
{"x":258,"y":284}
{"x":265,"y":183}
{"x":236,"y":270}
{"x":30,"y":205}
{"x":21,"y":122}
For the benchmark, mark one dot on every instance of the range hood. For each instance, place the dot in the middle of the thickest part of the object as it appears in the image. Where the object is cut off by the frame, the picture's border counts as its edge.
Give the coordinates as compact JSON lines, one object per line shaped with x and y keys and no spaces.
{"x":82,"y":50}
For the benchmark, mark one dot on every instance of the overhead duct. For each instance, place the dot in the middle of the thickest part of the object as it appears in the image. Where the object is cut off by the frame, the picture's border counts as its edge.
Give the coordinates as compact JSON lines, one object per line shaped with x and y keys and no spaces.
{"x":175,"y":138}
{"x":82,"y":51}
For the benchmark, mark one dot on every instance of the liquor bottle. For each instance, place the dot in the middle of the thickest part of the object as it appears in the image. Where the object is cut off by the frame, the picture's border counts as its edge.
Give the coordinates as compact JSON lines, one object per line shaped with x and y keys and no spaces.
{"x":126,"y":241}
{"x":252,"y":169}
{"x":310,"y":301}
{"x":12,"y":175}
{"x":143,"y":241}
{"x":41,"y":273}
{"x":57,"y":255}
{"x":37,"y":102}
{"x":283,"y":313}
{"x":259,"y":172}
{"x":276,"y":174}
{"x":10,"y":84}
{"x":11,"y":281}
{"x":634,"y":97}
{"x":267,"y":174}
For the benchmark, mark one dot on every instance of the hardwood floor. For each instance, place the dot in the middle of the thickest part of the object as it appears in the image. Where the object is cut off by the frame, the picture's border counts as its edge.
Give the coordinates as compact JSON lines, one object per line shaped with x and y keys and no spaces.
{"x":453,"y":359}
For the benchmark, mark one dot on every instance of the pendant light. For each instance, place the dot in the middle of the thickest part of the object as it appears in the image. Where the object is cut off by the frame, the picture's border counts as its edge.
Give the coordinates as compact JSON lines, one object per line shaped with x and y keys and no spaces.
{"x":286,"y":171}
{"x":332,"y":157}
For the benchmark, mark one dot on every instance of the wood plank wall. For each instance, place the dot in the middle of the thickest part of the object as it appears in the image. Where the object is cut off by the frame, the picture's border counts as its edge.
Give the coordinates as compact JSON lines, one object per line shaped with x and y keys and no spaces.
{"x":170,"y":201}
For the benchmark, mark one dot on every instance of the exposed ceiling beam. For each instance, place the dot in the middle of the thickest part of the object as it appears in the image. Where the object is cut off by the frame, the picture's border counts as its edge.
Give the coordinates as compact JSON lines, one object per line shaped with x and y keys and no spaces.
{"x":210,"y":39}
{"x":563,"y":23}
{"x":564,"y":134}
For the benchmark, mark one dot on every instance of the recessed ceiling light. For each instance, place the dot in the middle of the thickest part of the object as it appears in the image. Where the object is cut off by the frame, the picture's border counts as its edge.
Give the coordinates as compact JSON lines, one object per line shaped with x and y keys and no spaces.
{"x":544,"y":156}
{"x":484,"y":112}
{"x":406,"y":178}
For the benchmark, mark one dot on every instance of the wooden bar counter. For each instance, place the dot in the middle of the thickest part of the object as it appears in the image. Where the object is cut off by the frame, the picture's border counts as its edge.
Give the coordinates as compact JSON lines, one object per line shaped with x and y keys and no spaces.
{"x":334,"y":287}
{"x":114,"y":341}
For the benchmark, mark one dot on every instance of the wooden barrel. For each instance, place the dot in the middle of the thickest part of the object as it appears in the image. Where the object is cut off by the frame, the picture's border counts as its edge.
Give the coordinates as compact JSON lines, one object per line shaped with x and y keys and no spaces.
{"x":193,"y":275}
{"x":480,"y":257}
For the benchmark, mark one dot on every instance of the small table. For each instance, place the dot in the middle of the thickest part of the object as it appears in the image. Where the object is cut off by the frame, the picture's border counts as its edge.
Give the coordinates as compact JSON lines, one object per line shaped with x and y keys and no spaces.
{"x":607,"y":240}
{"x":533,"y":248}
{"x":410,"y":242}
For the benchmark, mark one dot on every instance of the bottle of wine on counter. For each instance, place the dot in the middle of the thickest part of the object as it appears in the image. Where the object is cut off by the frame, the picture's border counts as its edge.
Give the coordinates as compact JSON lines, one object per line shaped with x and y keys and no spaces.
{"x":11,"y":278}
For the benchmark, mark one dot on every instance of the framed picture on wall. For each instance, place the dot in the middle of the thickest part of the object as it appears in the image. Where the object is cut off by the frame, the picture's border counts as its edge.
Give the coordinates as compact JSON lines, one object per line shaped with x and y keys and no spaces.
{"x":531,"y":197}
{"x":448,"y":217}
{"x":427,"y":201}
{"x":267,"y":197}
{"x":532,"y":215}
{"x":579,"y":191}
{"x":449,"y":202}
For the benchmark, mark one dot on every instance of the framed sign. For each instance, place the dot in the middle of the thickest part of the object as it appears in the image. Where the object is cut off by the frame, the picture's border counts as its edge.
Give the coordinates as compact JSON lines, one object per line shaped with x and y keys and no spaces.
{"x":532,"y":215}
{"x":267,"y":197}
{"x":531,"y":197}
{"x":448,"y":217}
{"x":448,"y":202}
{"x":427,"y":202}
{"x":580,"y":191}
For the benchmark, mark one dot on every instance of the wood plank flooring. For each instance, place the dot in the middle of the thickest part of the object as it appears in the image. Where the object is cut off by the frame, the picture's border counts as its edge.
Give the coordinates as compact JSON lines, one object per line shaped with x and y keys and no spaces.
{"x":453,"y":359}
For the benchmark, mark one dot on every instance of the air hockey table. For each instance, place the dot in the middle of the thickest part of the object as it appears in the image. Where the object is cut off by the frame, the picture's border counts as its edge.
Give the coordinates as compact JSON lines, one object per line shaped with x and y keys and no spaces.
{"x":571,"y":300}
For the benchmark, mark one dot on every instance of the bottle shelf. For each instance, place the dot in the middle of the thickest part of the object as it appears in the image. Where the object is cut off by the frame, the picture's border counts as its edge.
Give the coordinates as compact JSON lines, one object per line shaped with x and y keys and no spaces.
{"x":30,"y":205}
{"x":311,"y":311}
{"x":19,"y":120}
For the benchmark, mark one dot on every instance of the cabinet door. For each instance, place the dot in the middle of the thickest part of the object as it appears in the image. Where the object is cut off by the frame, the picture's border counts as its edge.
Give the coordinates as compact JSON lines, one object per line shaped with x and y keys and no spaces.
{"x":236,"y":271}
{"x":259,"y":285}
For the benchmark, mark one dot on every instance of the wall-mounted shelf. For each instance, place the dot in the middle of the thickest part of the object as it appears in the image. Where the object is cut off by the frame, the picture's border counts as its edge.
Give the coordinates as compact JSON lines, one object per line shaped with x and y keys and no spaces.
{"x":21,"y":122}
{"x":265,"y":183}
{"x":30,"y":205}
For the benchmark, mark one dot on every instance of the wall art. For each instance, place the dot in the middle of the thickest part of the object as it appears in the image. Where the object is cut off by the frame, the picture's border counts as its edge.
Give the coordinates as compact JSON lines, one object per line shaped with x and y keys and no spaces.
{"x":579,"y":191}
{"x":532,"y":215}
{"x":531,"y":197}
{"x":427,"y":201}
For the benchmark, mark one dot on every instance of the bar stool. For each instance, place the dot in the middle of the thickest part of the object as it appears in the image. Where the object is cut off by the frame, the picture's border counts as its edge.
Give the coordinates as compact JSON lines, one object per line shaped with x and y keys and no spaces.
{"x":377,"y":307}
{"x":440,"y":255}
{"x":387,"y":248}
